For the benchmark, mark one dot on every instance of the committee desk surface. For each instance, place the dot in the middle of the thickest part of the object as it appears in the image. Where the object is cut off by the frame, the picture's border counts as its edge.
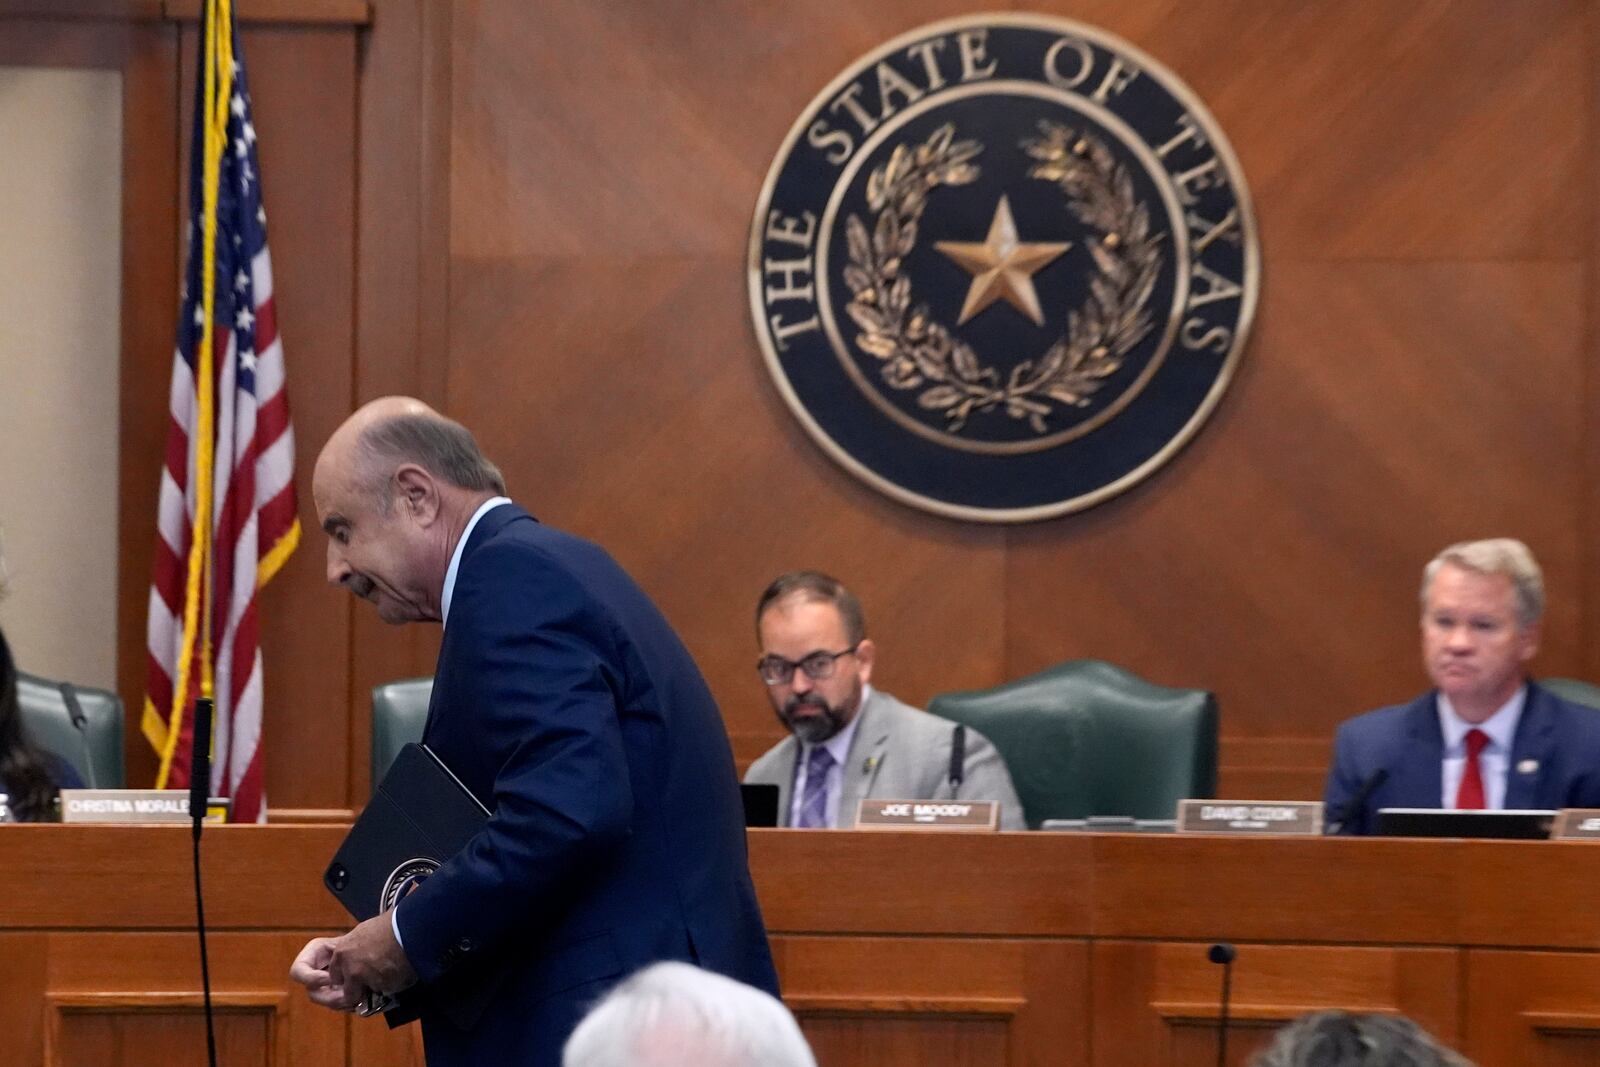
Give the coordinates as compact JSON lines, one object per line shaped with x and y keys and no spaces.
{"x":894,"y":948}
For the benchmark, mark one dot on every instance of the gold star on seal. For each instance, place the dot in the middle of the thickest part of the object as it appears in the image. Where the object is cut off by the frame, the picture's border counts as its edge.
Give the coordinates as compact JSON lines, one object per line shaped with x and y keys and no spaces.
{"x":1002,"y":267}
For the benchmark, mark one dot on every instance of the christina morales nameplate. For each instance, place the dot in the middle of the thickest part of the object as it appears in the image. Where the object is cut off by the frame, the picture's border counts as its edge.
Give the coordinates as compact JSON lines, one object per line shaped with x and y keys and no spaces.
{"x":135,"y":806}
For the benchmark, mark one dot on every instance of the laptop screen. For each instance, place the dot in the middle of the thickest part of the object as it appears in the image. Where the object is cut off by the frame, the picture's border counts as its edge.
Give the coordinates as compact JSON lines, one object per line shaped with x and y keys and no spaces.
{"x":1525,"y":825}
{"x":760,"y":804}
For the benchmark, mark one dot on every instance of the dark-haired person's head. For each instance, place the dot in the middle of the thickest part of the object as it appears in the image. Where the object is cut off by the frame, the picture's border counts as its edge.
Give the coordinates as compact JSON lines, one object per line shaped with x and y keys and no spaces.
{"x":25,"y":769}
{"x":815,"y":654}
{"x":1343,"y":1039}
{"x":394,"y":488}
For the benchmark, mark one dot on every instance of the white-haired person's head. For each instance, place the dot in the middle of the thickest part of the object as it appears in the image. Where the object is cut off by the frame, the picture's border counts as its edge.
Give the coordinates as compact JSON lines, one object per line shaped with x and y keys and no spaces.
{"x":677,"y":1015}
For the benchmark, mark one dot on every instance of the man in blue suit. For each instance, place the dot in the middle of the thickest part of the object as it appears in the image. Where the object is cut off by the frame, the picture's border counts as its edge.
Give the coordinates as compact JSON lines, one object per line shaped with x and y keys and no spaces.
{"x":1485,"y":737}
{"x":567,"y":705}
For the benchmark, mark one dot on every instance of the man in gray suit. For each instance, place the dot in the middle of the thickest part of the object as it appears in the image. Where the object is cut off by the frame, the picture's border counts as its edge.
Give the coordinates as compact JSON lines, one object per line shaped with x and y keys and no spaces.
{"x":849,"y":741}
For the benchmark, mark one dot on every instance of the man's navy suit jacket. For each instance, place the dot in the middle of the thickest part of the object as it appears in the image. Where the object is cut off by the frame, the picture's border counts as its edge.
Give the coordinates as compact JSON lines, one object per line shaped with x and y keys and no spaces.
{"x":1555,"y":759}
{"x":564,"y":701}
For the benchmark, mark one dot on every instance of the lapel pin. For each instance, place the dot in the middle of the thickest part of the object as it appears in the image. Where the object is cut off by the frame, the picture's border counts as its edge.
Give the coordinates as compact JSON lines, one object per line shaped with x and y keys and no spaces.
{"x":1528,"y":766}
{"x":868,"y":764}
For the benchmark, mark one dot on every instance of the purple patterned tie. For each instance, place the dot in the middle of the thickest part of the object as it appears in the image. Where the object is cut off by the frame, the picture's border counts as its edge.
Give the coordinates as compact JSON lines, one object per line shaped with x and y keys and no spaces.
{"x":814,"y":801}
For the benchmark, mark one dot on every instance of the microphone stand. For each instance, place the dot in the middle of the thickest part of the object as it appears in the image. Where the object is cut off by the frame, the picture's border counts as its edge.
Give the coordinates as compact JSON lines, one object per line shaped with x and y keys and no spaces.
{"x":199,"y":794}
{"x":1223,"y":953}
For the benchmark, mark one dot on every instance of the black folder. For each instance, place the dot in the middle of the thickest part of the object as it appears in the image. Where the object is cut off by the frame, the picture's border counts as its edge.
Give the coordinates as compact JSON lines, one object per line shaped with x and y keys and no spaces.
{"x":419,"y":817}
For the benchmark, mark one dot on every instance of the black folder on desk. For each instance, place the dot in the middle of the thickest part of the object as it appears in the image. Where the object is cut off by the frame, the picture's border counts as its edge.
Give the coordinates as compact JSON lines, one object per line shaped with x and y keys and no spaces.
{"x":419,"y":817}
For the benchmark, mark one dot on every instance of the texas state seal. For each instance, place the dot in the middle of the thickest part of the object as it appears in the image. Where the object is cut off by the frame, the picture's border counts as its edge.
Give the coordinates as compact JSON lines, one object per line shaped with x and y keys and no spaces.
{"x":1003,"y":267}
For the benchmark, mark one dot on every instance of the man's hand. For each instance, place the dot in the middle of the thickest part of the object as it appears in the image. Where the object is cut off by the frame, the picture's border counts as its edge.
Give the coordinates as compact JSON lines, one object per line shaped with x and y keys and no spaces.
{"x":310,"y":969}
{"x":339,"y":971}
{"x":369,"y":957}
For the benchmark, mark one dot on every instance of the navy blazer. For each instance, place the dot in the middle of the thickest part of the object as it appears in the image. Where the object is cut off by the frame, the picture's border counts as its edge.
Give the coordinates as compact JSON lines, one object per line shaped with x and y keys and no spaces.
{"x":1555,"y":759}
{"x":566,"y":703}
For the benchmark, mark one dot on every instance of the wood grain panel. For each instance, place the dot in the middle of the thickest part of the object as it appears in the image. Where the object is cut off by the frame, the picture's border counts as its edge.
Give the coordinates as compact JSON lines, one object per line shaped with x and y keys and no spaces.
{"x":1266,"y":883}
{"x":1043,"y":891}
{"x":132,"y":1035}
{"x":1360,"y":137}
{"x":138,"y":996}
{"x":723,"y":82}
{"x":959,"y":1002}
{"x":1276,"y":562}
{"x":1532,"y":1007}
{"x":80,"y":876}
{"x":1158,"y":1004}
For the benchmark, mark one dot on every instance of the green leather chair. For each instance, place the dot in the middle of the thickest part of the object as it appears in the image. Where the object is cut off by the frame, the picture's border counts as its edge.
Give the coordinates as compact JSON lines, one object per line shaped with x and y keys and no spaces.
{"x":96,"y":753}
{"x":399,"y":712}
{"x":1584,"y":693}
{"x":1086,"y":738}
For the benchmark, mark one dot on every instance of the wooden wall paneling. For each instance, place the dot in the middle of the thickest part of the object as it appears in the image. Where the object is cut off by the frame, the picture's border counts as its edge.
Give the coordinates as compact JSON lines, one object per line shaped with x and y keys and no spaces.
{"x":21,"y":1016}
{"x":1274,"y":767}
{"x":1589,"y":499}
{"x":127,"y":999}
{"x":1532,"y":1007}
{"x":1498,"y":883}
{"x":600,"y":341}
{"x":963,"y":1003}
{"x":1268,"y":881}
{"x":1159,"y":1003}
{"x":1044,"y":891}
{"x":306,"y":115}
{"x":1409,"y":382}
{"x":373,"y":1044}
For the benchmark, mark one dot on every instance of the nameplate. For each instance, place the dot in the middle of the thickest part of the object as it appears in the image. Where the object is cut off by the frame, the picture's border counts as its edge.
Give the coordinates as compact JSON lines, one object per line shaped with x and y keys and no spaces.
{"x":135,"y":806}
{"x":967,"y":815}
{"x":1576,"y":824}
{"x":1249,"y":817}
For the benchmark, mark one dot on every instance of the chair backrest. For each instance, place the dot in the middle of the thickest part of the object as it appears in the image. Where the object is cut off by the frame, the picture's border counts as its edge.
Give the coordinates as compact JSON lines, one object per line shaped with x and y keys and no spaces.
{"x":399,"y":712}
{"x":1087,"y":738}
{"x":1585,"y":693}
{"x":45,"y":718}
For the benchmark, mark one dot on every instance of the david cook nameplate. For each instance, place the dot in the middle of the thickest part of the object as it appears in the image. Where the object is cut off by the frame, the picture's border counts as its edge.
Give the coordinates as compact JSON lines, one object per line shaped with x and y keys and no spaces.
{"x":1249,"y":817}
{"x":928,"y":815}
{"x":135,"y":806}
{"x":1002,"y":268}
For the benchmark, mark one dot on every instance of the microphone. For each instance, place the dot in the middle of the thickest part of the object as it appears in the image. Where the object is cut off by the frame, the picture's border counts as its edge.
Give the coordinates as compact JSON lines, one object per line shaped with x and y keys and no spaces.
{"x":1358,"y":801}
{"x":200,"y":764}
{"x":958,"y":757}
{"x":80,"y":722}
{"x":1223,"y":953}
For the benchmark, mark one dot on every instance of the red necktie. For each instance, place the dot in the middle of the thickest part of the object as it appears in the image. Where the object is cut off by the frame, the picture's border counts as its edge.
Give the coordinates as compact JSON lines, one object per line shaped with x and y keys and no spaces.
{"x":1470,"y":796}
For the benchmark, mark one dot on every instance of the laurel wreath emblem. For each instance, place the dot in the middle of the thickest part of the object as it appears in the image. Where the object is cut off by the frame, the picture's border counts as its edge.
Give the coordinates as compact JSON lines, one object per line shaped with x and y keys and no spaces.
{"x":916,"y":350}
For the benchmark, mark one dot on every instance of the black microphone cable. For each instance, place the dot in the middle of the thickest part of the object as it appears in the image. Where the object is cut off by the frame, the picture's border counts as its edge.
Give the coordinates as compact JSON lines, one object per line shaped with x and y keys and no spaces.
{"x":1223,"y":953}
{"x":199,"y":794}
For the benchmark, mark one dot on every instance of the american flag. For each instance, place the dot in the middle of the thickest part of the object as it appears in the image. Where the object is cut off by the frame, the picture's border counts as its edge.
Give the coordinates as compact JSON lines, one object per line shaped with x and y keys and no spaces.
{"x":252,"y":507}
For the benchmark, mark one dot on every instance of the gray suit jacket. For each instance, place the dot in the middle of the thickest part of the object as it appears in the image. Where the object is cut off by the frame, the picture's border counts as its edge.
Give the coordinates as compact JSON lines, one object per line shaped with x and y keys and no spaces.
{"x":899,"y":753}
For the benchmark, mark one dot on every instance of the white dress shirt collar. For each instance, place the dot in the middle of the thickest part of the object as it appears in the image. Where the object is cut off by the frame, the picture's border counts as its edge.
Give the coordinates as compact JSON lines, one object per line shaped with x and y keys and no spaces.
{"x":461,"y":546}
{"x":1501,"y":726}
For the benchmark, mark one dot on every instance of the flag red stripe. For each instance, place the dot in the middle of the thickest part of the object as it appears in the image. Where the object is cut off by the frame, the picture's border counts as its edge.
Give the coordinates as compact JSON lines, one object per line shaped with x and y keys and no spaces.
{"x":266,"y":325}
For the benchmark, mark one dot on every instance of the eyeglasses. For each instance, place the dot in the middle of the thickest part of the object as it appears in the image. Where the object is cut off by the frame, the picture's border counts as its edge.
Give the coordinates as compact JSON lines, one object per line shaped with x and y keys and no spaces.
{"x":775,"y":670}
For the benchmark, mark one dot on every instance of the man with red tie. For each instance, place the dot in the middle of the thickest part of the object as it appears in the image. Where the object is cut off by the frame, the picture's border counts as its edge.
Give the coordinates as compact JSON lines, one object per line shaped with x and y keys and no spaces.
{"x":1485,"y":737}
